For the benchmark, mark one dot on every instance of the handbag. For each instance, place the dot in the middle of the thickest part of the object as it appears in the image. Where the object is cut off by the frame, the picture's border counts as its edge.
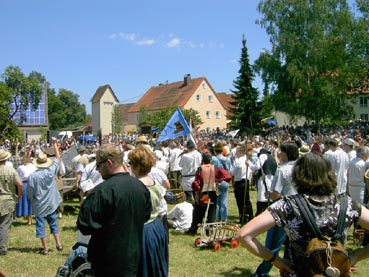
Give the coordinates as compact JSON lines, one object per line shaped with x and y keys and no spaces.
{"x":221,"y":174}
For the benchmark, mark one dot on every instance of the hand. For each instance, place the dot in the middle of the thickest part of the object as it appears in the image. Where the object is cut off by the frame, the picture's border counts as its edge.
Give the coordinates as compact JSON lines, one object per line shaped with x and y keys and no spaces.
{"x":53,"y":140}
{"x":283,"y":265}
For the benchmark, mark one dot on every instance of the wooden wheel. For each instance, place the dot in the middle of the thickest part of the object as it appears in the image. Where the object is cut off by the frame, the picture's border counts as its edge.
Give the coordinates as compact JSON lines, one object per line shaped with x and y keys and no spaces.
{"x":197,"y":242}
{"x":217,"y":246}
{"x":234,"y":243}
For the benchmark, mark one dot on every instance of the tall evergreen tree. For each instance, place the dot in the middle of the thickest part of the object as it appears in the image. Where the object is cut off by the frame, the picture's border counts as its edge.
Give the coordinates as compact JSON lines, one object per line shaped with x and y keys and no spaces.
{"x":245,"y":115}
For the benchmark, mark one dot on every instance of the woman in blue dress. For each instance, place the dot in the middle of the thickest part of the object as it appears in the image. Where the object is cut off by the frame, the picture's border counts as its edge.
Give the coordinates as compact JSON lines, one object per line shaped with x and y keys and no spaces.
{"x":24,"y":206}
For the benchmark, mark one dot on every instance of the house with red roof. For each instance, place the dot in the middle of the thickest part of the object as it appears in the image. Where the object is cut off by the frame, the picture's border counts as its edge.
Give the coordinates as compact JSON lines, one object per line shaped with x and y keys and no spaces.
{"x":190,"y":93}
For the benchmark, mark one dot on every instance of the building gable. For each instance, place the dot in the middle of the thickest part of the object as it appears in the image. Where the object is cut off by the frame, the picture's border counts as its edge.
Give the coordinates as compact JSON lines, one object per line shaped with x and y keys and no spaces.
{"x":100,"y":93}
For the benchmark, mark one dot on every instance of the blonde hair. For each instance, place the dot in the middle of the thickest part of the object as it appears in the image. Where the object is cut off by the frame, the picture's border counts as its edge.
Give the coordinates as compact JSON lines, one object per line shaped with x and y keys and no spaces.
{"x":142,"y":159}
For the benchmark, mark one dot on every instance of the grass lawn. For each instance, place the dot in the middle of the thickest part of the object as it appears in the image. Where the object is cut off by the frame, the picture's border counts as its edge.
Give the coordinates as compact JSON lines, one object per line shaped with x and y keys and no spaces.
{"x":184,"y":260}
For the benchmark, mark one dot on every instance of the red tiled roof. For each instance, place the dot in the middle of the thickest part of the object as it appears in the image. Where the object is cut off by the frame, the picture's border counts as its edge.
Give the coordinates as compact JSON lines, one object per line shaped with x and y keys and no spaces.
{"x":122,"y":110}
{"x":168,"y":95}
{"x":226,"y":100}
{"x":100,"y":92}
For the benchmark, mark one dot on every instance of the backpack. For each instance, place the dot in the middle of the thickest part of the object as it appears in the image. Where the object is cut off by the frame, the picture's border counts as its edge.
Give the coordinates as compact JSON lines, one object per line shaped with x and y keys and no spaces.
{"x":324,"y":256}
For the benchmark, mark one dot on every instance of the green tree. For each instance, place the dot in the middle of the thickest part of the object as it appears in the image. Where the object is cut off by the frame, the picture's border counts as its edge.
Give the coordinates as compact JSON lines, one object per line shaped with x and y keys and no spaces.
{"x":65,"y":110}
{"x":57,"y":119}
{"x":116,"y":121}
{"x":314,"y":53}
{"x":245,"y":112}
{"x":17,"y":93}
{"x":160,"y":118}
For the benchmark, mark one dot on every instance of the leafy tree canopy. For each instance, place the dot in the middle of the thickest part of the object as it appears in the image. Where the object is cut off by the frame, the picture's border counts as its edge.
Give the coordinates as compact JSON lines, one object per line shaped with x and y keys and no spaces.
{"x":65,"y":110}
{"x":17,"y":93}
{"x":160,"y":118}
{"x":317,"y":49}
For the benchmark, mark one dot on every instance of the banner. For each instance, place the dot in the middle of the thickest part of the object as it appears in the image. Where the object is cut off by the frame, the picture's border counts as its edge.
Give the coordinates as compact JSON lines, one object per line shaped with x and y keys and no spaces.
{"x":233,"y":133}
{"x":176,"y":127}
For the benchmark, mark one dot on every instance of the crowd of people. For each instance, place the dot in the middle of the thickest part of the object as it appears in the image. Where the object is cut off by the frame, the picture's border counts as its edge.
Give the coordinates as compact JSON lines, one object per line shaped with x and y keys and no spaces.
{"x":123,"y":205}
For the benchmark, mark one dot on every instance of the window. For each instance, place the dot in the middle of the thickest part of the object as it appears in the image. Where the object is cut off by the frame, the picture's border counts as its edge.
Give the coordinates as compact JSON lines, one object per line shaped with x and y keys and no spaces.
{"x":217,"y":114}
{"x":363,"y":101}
{"x":364,"y":117}
{"x":108,"y":104}
{"x":208,"y":114}
{"x":210,"y":98}
{"x":198,"y":97}
{"x":203,"y":85}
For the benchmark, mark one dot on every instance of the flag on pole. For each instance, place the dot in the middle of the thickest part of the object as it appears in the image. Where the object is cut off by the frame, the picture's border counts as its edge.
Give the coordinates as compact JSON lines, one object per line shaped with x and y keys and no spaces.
{"x":233,"y":133}
{"x":176,"y":127}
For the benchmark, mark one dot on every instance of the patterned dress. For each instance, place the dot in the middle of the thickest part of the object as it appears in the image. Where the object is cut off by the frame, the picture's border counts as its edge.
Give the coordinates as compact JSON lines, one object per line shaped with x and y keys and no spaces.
{"x":325,"y":210}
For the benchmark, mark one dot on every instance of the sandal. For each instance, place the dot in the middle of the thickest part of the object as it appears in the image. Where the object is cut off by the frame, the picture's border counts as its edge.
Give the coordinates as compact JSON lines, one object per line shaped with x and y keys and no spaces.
{"x":59,"y":248}
{"x":44,"y":252}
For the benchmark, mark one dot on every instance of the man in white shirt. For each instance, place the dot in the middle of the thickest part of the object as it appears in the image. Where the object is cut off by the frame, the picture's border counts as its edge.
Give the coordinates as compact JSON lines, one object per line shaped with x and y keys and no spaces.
{"x":190,"y":162}
{"x":180,"y":217}
{"x":340,"y":163}
{"x":349,"y":146}
{"x":356,"y":173}
{"x":174,"y":168}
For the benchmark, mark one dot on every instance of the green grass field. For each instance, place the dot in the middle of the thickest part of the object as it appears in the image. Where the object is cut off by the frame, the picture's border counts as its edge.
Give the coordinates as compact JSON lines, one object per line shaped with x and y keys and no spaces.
{"x":184,"y":260}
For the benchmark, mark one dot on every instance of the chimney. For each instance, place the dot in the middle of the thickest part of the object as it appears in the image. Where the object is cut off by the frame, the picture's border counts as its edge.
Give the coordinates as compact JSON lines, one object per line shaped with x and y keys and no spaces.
{"x":187,"y":79}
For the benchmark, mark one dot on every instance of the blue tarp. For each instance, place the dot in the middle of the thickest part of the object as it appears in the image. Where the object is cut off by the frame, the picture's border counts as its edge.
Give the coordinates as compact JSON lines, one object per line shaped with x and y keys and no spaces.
{"x":86,"y":138}
{"x":271,"y":122}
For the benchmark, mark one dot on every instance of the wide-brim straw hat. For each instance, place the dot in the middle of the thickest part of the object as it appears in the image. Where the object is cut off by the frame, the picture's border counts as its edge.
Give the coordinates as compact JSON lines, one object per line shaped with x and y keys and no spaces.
{"x":42,"y":161}
{"x":304,"y":149}
{"x":142,"y":139}
{"x":4,"y":155}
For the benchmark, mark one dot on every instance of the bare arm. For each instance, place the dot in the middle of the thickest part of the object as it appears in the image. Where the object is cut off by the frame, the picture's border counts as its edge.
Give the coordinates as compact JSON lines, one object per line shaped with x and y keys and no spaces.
{"x":247,"y":237}
{"x":20,"y":188}
{"x":55,"y":144}
{"x":361,"y":253}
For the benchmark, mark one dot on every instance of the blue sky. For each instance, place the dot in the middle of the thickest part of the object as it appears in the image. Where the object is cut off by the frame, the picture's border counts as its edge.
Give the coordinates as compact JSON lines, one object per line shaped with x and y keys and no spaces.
{"x":131,"y":45}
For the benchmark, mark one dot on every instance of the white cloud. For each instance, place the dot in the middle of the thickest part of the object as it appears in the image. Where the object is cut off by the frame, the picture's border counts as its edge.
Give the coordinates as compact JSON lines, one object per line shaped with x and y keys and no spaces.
{"x":145,"y":42}
{"x":190,"y":44}
{"x":175,"y":42}
{"x":129,"y":37}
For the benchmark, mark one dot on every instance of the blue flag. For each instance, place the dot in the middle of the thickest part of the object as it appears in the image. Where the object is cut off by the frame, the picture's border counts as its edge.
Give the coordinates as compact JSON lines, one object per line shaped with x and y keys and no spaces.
{"x":176,"y":127}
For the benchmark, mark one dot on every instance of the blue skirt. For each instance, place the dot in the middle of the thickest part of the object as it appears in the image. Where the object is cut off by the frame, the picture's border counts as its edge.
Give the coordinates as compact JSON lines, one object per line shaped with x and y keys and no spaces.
{"x":24,"y":206}
{"x":155,"y":253}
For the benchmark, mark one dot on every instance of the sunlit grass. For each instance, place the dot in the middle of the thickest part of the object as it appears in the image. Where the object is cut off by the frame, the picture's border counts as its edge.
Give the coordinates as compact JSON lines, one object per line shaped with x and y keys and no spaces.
{"x":184,"y":260}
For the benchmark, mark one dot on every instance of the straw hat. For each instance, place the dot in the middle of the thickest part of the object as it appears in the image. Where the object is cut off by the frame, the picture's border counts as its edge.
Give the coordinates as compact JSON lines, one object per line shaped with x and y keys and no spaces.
{"x":304,"y":149}
{"x":142,"y":139}
{"x":42,"y":161}
{"x":4,"y":155}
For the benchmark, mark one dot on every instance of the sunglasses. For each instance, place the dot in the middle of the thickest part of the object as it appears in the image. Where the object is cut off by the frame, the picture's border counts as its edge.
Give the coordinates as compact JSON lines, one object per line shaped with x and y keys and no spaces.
{"x":99,"y":163}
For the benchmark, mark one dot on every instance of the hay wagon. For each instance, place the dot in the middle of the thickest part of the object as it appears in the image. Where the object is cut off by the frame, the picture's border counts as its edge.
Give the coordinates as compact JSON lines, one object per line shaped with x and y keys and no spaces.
{"x":214,"y":234}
